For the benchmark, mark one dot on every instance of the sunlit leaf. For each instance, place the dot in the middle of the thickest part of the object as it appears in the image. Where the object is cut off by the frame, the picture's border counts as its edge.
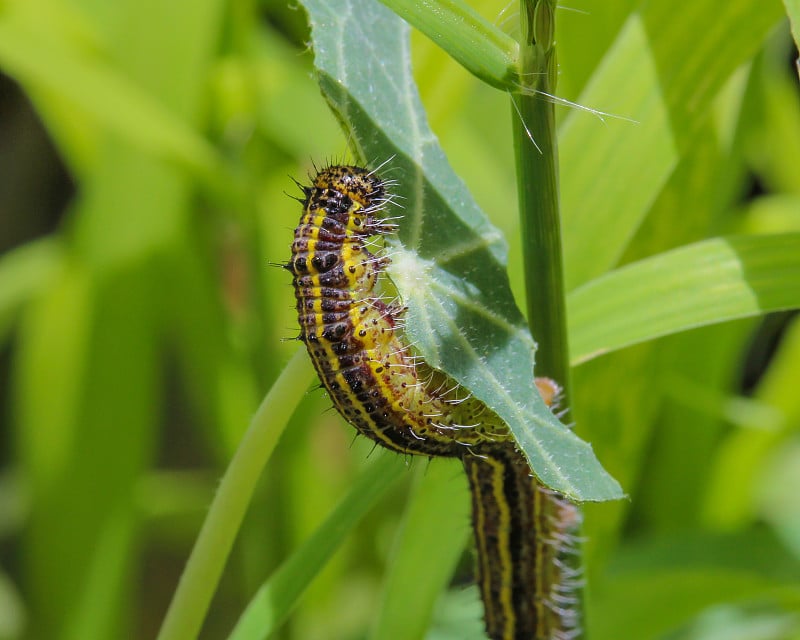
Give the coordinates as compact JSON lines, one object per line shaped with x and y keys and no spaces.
{"x":708,"y":282}
{"x":793,"y":9}
{"x":449,"y":263}
{"x":612,"y":173}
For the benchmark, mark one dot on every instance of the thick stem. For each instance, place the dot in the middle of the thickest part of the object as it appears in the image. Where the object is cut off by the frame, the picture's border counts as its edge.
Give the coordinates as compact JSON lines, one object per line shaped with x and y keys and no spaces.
{"x":537,"y":175}
{"x":536,"y":150}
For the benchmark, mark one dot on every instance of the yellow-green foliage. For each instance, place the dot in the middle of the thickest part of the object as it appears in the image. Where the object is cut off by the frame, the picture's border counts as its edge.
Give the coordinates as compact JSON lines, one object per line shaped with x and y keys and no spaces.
{"x":141,"y":323}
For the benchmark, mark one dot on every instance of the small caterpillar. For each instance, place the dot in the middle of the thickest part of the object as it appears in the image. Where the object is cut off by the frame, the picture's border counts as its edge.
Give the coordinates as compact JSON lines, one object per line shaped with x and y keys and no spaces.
{"x":524,"y":532}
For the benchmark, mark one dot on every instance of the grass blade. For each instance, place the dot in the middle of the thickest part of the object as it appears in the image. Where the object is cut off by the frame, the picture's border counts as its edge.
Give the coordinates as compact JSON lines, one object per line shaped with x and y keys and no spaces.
{"x":701,"y":284}
{"x":277,"y":597}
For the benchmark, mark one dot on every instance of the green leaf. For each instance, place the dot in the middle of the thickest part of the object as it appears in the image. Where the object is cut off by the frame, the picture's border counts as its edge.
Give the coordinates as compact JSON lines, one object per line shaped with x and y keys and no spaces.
{"x":653,"y":587}
{"x":458,"y":616}
{"x":23,"y":272}
{"x":649,"y":605}
{"x":747,"y":462}
{"x":701,"y":284}
{"x":778,"y":499}
{"x":449,"y":263}
{"x":37,"y":59}
{"x":12,"y":609}
{"x":793,"y":9}
{"x":76,"y":338}
{"x":479,"y":46}
{"x":277,"y":597}
{"x":611,"y":175}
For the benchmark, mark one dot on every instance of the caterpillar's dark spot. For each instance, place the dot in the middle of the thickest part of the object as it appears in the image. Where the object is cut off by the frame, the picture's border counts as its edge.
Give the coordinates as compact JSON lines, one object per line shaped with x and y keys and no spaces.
{"x":340,"y":348}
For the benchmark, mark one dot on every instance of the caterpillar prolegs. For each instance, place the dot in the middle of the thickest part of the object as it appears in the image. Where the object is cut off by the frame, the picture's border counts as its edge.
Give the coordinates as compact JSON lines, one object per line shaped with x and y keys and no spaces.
{"x":524,"y":532}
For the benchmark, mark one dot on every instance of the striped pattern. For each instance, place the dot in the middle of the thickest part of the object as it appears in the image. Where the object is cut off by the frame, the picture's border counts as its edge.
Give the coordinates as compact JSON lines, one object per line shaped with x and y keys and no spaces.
{"x":523,"y":532}
{"x":526,"y":541}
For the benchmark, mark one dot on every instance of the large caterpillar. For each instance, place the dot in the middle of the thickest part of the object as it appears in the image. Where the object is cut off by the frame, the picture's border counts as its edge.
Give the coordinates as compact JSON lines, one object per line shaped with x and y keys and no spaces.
{"x":524,"y":532}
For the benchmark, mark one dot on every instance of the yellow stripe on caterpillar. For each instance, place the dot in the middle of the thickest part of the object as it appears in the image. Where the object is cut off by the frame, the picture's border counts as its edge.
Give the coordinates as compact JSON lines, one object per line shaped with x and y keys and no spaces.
{"x":524,"y":533}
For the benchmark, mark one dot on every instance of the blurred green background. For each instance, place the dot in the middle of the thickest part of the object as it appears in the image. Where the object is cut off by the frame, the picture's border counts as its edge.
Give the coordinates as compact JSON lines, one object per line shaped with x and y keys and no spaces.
{"x":145,"y":152}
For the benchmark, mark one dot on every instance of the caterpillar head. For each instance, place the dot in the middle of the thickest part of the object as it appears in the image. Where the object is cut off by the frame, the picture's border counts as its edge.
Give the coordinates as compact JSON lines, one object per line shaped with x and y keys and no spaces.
{"x":352,"y":195}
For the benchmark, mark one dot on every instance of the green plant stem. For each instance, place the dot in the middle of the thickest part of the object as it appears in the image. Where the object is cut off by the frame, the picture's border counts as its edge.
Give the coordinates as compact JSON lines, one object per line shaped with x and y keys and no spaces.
{"x":476,"y":44}
{"x":537,"y":175}
{"x":207,"y":560}
{"x":537,"y":179}
{"x":536,"y":150}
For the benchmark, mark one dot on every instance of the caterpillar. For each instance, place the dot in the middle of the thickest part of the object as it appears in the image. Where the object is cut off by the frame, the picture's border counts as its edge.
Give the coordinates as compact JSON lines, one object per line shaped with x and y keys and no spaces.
{"x":524,"y":533}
